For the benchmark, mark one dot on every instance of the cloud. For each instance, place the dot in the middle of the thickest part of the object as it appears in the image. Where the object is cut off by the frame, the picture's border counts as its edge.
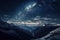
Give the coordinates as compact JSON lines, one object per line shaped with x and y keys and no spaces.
{"x":46,"y":20}
{"x":36,"y":21}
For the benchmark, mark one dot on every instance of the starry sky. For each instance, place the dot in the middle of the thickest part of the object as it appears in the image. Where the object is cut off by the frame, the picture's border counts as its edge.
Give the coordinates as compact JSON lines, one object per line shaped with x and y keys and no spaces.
{"x":9,"y":9}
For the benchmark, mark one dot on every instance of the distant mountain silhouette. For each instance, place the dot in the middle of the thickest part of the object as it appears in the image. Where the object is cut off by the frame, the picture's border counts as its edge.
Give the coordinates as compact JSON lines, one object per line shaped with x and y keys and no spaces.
{"x":12,"y":32}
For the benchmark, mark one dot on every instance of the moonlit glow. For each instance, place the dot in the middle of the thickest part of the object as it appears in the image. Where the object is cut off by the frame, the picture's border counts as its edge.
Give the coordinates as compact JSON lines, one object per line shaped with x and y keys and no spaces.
{"x":30,"y":6}
{"x":34,"y":4}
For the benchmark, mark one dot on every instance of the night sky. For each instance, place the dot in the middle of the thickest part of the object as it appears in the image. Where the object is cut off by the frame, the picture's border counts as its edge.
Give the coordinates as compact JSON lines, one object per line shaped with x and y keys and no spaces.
{"x":24,"y":18}
{"x":44,"y":8}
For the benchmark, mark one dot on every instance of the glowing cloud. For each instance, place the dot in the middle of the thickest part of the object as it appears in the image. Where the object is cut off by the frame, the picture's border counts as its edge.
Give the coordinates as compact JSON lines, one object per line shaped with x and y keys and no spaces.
{"x":30,"y":6}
